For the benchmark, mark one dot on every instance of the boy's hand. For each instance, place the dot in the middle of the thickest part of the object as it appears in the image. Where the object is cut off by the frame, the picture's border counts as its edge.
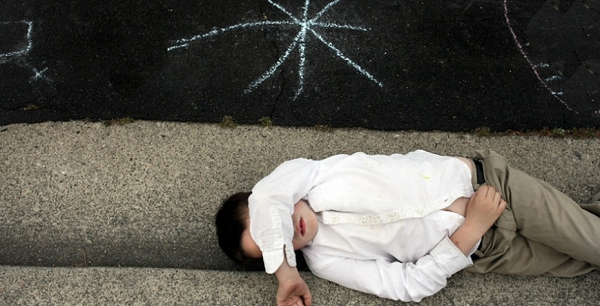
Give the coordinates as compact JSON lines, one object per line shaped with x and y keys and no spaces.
{"x":292,"y":288}
{"x":483,"y":209}
{"x":293,"y":292}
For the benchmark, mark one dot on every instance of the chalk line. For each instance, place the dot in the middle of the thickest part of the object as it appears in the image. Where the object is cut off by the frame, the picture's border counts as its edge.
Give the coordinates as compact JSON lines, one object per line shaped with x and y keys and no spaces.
{"x":349,"y":61}
{"x":38,"y":75}
{"x":28,"y":37}
{"x":185,"y":42}
{"x":273,"y":68}
{"x":533,"y":66}
{"x":325,"y":9}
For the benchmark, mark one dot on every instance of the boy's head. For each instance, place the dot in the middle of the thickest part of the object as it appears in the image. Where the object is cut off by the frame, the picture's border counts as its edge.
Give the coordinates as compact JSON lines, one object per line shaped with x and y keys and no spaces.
{"x":233,"y":228}
{"x":232,"y":221}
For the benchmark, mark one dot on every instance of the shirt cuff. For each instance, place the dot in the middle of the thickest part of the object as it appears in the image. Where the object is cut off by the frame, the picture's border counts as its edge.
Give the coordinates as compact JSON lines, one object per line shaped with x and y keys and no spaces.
{"x":273,"y":260}
{"x":447,"y":254}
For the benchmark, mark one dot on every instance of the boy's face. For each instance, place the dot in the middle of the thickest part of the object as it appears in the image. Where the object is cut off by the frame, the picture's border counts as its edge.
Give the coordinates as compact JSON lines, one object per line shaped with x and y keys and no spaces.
{"x":305,"y":228}
{"x":305,"y":225}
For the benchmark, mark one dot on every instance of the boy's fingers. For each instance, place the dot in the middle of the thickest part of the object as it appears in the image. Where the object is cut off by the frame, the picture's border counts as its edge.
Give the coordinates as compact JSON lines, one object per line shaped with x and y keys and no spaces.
{"x":503,"y":204}
{"x":491,"y":191}
{"x":481,"y":192}
{"x":497,"y":197}
{"x":485,"y":191}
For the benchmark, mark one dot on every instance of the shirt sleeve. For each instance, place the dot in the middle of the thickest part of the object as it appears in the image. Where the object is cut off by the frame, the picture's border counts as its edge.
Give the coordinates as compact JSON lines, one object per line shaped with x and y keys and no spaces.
{"x":271,"y":205}
{"x":408,"y":282}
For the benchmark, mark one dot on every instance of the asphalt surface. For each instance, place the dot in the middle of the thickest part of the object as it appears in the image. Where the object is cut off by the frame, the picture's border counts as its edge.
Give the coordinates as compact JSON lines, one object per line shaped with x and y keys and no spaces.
{"x":123,"y":214}
{"x":426,"y":65}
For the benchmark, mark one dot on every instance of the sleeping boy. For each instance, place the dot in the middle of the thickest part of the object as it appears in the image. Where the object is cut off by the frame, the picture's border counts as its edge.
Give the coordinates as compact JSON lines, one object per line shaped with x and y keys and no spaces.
{"x":399,"y":226}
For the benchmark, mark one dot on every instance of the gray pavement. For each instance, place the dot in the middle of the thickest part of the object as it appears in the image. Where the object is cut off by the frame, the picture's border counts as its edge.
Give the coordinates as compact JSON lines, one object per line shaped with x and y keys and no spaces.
{"x":94,"y":214}
{"x":151,"y":286}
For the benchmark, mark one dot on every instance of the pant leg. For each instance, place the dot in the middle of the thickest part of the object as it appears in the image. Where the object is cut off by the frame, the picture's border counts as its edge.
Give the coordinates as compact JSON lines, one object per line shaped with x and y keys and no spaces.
{"x":593,"y":207}
{"x":507,"y":252}
{"x":541,"y":231}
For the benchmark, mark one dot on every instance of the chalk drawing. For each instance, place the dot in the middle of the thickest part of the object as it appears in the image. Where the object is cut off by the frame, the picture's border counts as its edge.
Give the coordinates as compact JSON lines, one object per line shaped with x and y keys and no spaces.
{"x":24,"y":50}
{"x":548,"y":82}
{"x":307,"y":25}
{"x":39,"y":75}
{"x":553,"y":78}
{"x":533,"y":66}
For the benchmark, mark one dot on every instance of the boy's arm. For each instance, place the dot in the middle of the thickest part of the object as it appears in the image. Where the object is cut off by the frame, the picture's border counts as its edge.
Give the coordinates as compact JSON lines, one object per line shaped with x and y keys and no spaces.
{"x":270,"y":208}
{"x":408,"y":281}
{"x":415,"y":281}
{"x":483,"y":209}
{"x":292,"y":288}
{"x":271,"y":205}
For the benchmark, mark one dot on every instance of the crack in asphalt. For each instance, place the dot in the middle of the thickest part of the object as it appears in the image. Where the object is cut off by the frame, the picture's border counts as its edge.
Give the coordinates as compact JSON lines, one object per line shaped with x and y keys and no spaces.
{"x":277,"y":54}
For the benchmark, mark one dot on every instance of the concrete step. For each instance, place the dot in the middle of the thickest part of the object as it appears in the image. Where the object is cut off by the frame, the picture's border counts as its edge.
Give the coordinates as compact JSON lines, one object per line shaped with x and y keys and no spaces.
{"x":82,"y":204}
{"x":150,"y":286}
{"x":144,"y":194}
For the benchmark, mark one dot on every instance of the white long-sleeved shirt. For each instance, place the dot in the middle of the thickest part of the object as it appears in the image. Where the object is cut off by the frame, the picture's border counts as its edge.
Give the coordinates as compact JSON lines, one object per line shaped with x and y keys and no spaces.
{"x":370,"y":191}
{"x":403,"y":260}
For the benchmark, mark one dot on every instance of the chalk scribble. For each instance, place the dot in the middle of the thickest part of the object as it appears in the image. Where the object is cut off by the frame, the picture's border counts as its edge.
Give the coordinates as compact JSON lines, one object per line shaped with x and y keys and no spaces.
{"x":308,"y":27}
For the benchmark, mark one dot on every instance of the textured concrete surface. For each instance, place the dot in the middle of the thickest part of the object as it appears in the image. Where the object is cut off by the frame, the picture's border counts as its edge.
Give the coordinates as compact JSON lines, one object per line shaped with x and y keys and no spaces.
{"x":80,"y":196}
{"x":136,"y":286}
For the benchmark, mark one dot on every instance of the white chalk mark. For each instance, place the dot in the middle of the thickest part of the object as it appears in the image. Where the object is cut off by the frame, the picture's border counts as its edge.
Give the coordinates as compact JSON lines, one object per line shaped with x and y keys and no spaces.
{"x":281,"y":8}
{"x":272,"y":70}
{"x":302,"y":51}
{"x":325,"y":9}
{"x":553,"y":78}
{"x":27,"y":48}
{"x":182,"y":43}
{"x":349,"y":61}
{"x":38,"y":75}
{"x":338,"y":26}
{"x":306,"y":25}
{"x":531,"y":64}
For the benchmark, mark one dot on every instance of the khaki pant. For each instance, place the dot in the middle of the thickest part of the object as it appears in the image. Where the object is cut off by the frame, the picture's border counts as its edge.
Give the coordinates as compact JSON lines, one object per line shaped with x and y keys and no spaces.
{"x":542,"y":231}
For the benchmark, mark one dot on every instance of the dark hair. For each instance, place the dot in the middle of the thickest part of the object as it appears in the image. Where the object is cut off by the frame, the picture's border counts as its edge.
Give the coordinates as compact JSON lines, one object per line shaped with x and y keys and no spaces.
{"x":231,"y":222}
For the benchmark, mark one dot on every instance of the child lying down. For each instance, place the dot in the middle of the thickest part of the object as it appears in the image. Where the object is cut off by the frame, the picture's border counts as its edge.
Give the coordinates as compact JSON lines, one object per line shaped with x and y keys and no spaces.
{"x":398,"y":226}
